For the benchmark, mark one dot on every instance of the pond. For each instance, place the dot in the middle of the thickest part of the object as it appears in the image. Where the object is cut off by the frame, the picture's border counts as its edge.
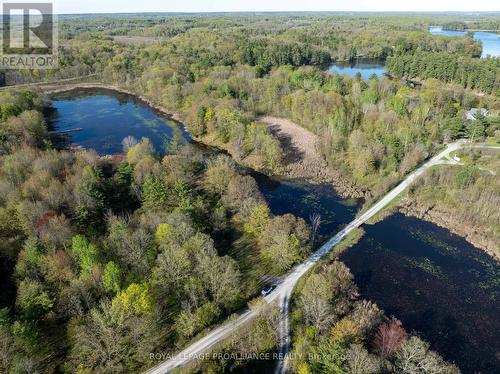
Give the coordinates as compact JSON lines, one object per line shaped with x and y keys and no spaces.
{"x":100,"y":119}
{"x":365,"y":69}
{"x":303,"y":199}
{"x":435,"y":282}
{"x":489,"y":40}
{"x":106,"y":117}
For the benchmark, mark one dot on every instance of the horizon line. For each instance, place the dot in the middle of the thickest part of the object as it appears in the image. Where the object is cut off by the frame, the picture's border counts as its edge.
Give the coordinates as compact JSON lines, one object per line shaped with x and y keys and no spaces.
{"x":285,"y":11}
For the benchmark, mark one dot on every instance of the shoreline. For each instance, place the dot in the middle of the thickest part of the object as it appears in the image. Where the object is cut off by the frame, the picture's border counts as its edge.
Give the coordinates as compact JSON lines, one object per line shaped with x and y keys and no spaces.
{"x":51,"y":89}
{"x":314,"y":175}
{"x":321,"y":173}
{"x":446,"y":219}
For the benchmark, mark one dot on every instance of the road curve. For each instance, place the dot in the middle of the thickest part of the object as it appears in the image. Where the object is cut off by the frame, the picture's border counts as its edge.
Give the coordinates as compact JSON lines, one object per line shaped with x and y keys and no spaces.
{"x":283,"y":292}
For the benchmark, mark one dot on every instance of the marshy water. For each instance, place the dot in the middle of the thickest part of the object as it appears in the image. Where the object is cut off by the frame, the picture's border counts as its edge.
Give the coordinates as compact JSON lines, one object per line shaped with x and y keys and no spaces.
{"x":438,"y":284}
{"x":435,"y":282}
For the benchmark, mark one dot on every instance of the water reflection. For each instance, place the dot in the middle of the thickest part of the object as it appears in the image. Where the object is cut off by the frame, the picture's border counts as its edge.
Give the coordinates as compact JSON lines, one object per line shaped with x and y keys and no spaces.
{"x":101,"y":119}
{"x":365,"y":69}
{"x":435,"y":282}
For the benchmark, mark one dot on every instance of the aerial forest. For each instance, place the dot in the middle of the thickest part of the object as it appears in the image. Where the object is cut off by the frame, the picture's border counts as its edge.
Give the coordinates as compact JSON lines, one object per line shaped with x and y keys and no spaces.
{"x":109,"y":258}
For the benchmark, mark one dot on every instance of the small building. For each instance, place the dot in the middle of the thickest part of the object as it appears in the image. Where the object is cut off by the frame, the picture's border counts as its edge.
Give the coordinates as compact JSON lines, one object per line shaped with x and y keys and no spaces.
{"x":473,"y":112}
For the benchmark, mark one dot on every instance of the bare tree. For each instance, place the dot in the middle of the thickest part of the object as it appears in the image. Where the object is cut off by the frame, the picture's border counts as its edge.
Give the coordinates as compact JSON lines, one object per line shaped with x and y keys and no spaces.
{"x":317,"y":311}
{"x":128,"y":142}
{"x":359,"y":361}
{"x":8,"y":349}
{"x":414,"y":356}
{"x":315,"y":219}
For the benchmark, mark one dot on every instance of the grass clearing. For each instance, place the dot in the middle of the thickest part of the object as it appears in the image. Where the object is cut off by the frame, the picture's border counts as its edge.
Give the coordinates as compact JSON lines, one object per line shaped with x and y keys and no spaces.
{"x":349,"y":241}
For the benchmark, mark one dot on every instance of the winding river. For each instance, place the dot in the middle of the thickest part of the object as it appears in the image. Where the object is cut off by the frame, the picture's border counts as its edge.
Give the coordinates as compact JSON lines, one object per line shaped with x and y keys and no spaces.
{"x":435,"y":282}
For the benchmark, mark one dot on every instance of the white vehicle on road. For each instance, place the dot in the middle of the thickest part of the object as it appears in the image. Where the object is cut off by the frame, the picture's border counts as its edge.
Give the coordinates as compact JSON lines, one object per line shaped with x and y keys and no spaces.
{"x":282,"y":292}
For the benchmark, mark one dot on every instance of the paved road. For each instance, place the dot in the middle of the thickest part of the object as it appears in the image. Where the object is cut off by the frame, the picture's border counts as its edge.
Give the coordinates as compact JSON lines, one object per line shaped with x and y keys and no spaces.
{"x":283,"y":292}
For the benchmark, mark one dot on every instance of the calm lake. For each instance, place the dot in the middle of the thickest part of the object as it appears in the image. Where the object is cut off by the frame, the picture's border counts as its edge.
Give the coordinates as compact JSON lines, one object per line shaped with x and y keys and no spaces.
{"x":106,"y":118}
{"x":434,"y":282}
{"x":366,"y":69}
{"x":489,"y":40}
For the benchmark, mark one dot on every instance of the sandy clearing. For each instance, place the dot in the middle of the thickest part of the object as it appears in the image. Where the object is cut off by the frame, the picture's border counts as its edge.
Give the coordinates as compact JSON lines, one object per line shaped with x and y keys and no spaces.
{"x":302,"y":139}
{"x":302,"y":158}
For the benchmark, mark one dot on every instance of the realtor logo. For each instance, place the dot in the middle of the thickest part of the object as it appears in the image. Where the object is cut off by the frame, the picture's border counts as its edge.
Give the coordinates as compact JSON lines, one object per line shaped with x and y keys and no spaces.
{"x":29,"y":36}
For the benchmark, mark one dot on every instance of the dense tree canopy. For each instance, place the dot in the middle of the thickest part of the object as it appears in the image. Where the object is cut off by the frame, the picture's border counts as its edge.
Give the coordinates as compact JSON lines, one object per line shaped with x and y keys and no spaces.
{"x":478,"y":74}
{"x":116,"y":257}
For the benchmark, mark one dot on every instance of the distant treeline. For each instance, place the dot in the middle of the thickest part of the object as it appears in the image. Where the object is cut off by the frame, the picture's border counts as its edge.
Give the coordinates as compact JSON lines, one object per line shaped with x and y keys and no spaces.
{"x":473,"y":73}
{"x":265,"y":54}
{"x":491,"y":24}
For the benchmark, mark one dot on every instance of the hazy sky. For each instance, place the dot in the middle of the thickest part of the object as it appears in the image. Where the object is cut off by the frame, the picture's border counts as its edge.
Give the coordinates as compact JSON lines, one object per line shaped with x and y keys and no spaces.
{"x":114,"y":6}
